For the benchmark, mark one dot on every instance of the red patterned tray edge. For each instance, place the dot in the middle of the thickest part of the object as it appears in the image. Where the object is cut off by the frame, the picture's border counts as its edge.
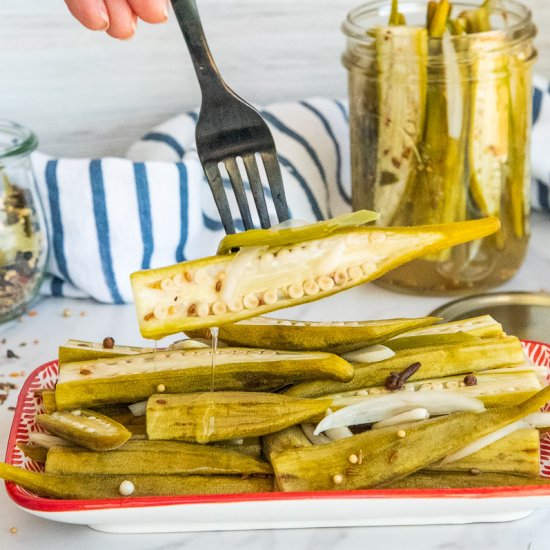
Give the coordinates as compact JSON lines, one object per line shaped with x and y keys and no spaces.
{"x":45,"y":376}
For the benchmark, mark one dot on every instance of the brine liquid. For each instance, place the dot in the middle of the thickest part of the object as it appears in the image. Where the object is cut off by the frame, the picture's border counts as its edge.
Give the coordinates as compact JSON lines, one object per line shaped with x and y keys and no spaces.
{"x":209,"y":419}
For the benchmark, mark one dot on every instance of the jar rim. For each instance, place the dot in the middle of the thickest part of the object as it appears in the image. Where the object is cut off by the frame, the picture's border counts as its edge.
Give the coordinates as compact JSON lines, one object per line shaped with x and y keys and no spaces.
{"x":21,"y":141}
{"x":357,"y":31}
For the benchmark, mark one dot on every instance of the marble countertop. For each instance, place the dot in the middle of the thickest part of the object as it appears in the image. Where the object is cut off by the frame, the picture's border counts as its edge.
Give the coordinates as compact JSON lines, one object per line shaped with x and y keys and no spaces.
{"x":35,"y":340}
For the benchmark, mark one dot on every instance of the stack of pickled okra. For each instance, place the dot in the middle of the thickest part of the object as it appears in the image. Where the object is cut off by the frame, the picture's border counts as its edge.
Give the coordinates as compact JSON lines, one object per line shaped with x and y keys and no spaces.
{"x":417,"y":405}
{"x":290,"y":405}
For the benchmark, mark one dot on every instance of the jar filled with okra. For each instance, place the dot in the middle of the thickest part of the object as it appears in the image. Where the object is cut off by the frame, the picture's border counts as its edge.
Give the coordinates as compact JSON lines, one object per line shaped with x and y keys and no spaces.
{"x":440,"y":114}
{"x":23,"y":237}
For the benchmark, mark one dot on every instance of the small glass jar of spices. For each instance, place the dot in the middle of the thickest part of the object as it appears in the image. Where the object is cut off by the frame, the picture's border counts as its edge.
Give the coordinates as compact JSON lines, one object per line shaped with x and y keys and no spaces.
{"x":23,"y":236}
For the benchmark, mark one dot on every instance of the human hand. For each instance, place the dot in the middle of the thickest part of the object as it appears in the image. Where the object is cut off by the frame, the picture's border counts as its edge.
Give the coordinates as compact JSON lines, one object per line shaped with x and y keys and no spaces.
{"x":118,"y":17}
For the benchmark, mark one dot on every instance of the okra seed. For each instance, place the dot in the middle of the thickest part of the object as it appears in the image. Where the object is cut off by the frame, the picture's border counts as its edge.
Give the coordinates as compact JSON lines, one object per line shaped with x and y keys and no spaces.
{"x":250,"y":301}
{"x":452,"y":384}
{"x":126,"y":488}
{"x":461,"y":385}
{"x":202,"y":309}
{"x":311,"y":287}
{"x":437,"y":386}
{"x":367,"y":268}
{"x":283,"y":253}
{"x":425,"y":387}
{"x":355,"y":273}
{"x":377,"y":237}
{"x":338,"y":479}
{"x":161,"y":388}
{"x":266,"y":260}
{"x":340,"y":277}
{"x":178,"y":280}
{"x":295,"y":292}
{"x":401,"y":433}
{"x":270,"y":297}
{"x":353,"y":459}
{"x":200,"y":277}
{"x":236,"y":305}
{"x":325,"y":282}
{"x":375,"y":391}
{"x":362,"y":392}
{"x":160,"y":311}
{"x":167,"y":284}
{"x":187,"y":276}
{"x":219,"y":308}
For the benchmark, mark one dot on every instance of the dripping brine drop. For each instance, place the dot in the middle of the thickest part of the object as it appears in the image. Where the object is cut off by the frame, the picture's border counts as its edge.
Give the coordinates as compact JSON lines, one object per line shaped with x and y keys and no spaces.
{"x":209,"y":421}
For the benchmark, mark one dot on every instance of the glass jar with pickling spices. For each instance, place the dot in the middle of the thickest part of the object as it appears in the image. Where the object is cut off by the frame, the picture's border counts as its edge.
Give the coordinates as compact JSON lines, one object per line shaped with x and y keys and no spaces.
{"x":23,"y":236}
{"x":440,"y":113}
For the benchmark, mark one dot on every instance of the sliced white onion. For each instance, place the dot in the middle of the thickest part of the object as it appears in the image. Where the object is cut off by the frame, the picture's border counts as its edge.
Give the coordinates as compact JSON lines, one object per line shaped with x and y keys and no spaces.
{"x":48,"y":441}
{"x":374,"y":409}
{"x":370,"y":354}
{"x":236,"y":269}
{"x":138,"y":409}
{"x":535,"y":420}
{"x":414,"y":415}
{"x":308,"y":429}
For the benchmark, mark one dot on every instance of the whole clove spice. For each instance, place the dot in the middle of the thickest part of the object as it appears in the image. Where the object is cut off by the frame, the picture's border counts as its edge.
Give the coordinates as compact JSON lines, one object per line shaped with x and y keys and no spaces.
{"x":396,"y":380}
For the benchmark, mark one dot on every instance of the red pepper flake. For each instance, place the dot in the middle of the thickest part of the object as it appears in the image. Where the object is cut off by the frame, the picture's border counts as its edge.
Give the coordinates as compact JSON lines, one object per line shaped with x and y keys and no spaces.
{"x":85,"y":371}
{"x":32,"y":313}
{"x":11,"y":355}
{"x":82,"y":314}
{"x":394,"y":455}
{"x":470,"y":379}
{"x":161,"y":401}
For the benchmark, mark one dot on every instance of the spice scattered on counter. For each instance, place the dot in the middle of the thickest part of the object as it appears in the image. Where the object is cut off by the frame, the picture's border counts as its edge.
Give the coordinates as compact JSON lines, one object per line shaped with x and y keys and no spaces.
{"x":11,"y":355}
{"x":11,"y":408}
{"x":35,"y":342}
{"x":82,"y":314}
{"x":22,"y":344}
{"x":67,"y":312}
{"x":13,"y":530}
{"x":32,"y":313}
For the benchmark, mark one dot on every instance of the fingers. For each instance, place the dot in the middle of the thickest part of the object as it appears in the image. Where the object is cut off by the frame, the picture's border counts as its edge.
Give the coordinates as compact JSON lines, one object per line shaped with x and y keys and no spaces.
{"x":123,"y":20}
{"x":92,"y":13}
{"x":151,"y":11}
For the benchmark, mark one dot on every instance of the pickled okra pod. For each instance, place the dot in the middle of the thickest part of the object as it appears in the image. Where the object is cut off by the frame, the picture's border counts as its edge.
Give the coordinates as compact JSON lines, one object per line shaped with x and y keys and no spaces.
{"x":386,"y":456}
{"x":447,"y":333}
{"x":217,"y":416}
{"x":517,"y":453}
{"x":463,"y":480}
{"x":134,"y":379}
{"x":505,"y":387}
{"x":333,"y":337}
{"x":231,"y":287}
{"x":81,"y":350}
{"x":435,"y":362}
{"x":160,"y":457}
{"x":110,"y":486}
{"x":292,"y":437}
{"x":89,"y":429}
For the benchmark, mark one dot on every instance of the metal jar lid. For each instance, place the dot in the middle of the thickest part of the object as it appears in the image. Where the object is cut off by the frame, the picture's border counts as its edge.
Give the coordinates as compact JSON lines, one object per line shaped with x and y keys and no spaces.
{"x":523,"y":314}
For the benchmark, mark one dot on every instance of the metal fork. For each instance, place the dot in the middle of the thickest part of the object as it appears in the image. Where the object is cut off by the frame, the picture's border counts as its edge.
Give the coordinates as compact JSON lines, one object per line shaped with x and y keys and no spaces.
{"x":229,"y":128}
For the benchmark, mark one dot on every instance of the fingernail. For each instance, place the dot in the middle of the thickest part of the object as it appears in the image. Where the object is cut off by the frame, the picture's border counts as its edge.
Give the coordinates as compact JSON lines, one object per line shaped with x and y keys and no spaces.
{"x":104,"y":14}
{"x":166,"y":8}
{"x":134,"y":24}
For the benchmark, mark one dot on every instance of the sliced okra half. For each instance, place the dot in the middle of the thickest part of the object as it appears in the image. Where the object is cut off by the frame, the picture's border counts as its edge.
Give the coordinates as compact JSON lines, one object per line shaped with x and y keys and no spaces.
{"x":230,"y":287}
{"x":435,"y":362}
{"x":133,"y":379}
{"x":88,"y":429}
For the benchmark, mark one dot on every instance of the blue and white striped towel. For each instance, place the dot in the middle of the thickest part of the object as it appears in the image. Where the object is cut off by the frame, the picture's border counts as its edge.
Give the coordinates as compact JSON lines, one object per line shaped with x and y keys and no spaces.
{"x":110,"y":217}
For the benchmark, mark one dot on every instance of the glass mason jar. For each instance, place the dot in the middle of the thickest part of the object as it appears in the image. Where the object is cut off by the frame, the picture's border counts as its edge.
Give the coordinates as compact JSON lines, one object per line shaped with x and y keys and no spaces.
{"x":440,"y":133}
{"x":23,"y":236}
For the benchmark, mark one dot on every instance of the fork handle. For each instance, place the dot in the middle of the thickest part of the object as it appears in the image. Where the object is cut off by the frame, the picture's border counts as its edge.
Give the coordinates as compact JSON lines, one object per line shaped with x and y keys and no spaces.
{"x":190,"y":24}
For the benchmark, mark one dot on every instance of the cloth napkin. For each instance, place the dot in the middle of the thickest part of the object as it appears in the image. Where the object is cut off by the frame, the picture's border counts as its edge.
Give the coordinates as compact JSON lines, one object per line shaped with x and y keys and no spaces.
{"x":109,"y":217}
